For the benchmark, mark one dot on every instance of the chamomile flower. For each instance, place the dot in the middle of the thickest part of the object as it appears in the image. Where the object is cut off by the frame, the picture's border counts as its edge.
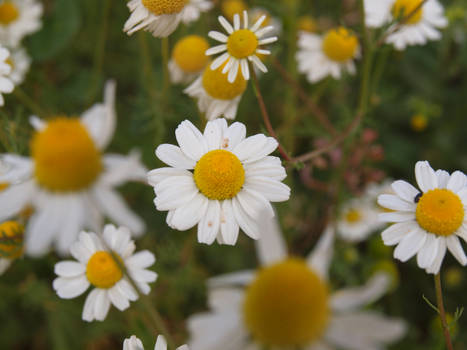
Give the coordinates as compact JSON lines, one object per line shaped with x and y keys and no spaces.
{"x":216,"y":96}
{"x":188,"y":59}
{"x":162,"y":17}
{"x":427,"y":221}
{"x":218,"y":180}
{"x":133,"y":343}
{"x":417,"y":29}
{"x":96,"y":267}
{"x":330,"y":54}
{"x":6,"y":85}
{"x":19,"y":62}
{"x":287,"y":304}
{"x":242,"y":45}
{"x":19,"y":18}
{"x":68,"y":182}
{"x":11,"y":243}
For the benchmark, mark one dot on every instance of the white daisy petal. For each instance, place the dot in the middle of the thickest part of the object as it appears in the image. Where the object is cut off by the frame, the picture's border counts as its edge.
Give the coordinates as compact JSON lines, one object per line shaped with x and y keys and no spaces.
{"x":71,"y":287}
{"x":209,"y":225}
{"x":69,"y":269}
{"x":229,"y":226}
{"x":173,"y":156}
{"x":434,"y":268}
{"x":457,"y":181}
{"x":426,"y":176}
{"x":428,"y":252}
{"x":190,"y":140}
{"x":410,"y":245}
{"x":393,"y":202}
{"x":405,"y":190}
{"x":456,"y":249}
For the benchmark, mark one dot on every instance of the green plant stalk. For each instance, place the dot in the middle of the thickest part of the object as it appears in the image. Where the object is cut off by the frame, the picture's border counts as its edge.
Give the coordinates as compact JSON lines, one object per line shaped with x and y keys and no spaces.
{"x":442,"y":312}
{"x":29,"y":102}
{"x":367,"y":62}
{"x":165,"y":70}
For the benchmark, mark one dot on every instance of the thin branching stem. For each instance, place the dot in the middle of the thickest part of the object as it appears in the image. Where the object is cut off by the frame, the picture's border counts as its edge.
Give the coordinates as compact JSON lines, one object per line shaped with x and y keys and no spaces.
{"x":442,"y":312}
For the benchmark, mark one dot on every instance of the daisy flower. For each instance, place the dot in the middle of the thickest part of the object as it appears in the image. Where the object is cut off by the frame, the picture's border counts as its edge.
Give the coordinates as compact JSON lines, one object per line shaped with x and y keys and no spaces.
{"x":19,"y":18}
{"x":240,"y":46}
{"x":133,"y":343}
{"x":416,"y":30}
{"x":216,"y":95}
{"x":218,"y":180}
{"x":67,"y":181}
{"x":6,"y":85}
{"x":188,"y":59}
{"x":96,"y":267}
{"x":19,"y":62}
{"x":161,"y":17}
{"x":330,"y":54}
{"x":286,"y":304}
{"x":11,"y":243}
{"x":230,"y":8}
{"x":427,"y":221}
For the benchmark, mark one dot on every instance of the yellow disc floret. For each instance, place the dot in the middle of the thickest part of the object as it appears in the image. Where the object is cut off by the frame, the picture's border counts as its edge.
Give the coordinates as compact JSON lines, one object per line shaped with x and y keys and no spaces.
{"x":231,"y":7}
{"x":164,"y":7}
{"x":11,"y":240}
{"x":286,"y":305}
{"x":405,"y":8}
{"x":219,"y":175}
{"x":102,"y":271}
{"x":8,"y":13}
{"x":352,"y":216}
{"x":340,"y":45}
{"x":65,"y":156}
{"x":242,"y":43}
{"x":440,"y":211}
{"x":190,"y":53}
{"x":216,"y":84}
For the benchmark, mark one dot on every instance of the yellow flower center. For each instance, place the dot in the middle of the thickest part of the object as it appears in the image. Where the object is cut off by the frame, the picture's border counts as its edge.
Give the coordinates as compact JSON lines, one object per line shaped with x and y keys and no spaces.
{"x":102,"y":270}
{"x":164,"y":7}
{"x":8,"y":13}
{"x":219,"y":174}
{"x":190,"y":53}
{"x":286,"y":305}
{"x":217,"y":85}
{"x":65,"y":156}
{"x":418,"y":122}
{"x":440,"y":211}
{"x":340,"y":44}
{"x":307,"y":24}
{"x":231,"y":7}
{"x":10,"y":62}
{"x":242,"y":43}
{"x":11,"y":240}
{"x":352,"y":216}
{"x":4,"y":186}
{"x":403,"y":8}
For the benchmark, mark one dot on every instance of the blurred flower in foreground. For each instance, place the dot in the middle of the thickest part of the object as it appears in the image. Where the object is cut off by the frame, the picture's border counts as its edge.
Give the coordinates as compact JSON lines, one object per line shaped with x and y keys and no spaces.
{"x":427,"y":221}
{"x":233,"y":180}
{"x":67,"y":180}
{"x":320,"y":56}
{"x":161,"y":17}
{"x":240,"y":46}
{"x":11,"y":243}
{"x":414,"y":30}
{"x":6,"y":85}
{"x":19,"y":18}
{"x":19,"y":62}
{"x":216,"y":96}
{"x":230,"y":8}
{"x":96,"y":266}
{"x":134,"y":343}
{"x":286,"y":304}
{"x":188,"y":59}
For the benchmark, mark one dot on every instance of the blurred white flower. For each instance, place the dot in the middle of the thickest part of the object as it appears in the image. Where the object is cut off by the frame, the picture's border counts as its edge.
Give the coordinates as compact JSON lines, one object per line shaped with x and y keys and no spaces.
{"x":6,"y":85}
{"x":133,"y":343}
{"x":19,"y":61}
{"x":188,"y":59}
{"x":19,"y":18}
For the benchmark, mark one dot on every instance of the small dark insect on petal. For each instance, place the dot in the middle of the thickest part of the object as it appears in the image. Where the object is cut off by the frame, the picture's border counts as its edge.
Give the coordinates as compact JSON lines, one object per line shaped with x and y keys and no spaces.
{"x":417,"y":197}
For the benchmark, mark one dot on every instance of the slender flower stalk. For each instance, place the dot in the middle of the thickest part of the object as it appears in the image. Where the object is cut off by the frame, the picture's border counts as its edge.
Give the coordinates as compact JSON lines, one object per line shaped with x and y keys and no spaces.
{"x":442,"y":312}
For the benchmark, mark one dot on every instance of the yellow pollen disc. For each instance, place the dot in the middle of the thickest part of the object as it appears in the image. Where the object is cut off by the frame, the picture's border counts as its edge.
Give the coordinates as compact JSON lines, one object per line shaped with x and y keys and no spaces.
{"x":190,"y":53}
{"x":440,"y":211}
{"x":8,"y":13}
{"x":403,"y":8}
{"x":340,"y":44}
{"x":65,"y":156}
{"x":307,"y":24}
{"x":219,"y":174}
{"x":217,"y":85}
{"x":164,"y":7}
{"x":352,"y":216}
{"x":242,"y":43}
{"x":231,"y":7}
{"x":11,"y":240}
{"x":102,"y":271}
{"x":286,"y":305}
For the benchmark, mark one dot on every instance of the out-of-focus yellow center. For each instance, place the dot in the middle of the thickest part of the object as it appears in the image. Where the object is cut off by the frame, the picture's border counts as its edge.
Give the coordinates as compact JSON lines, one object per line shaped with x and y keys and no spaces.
{"x":190,"y":53}
{"x":307,"y":24}
{"x":8,"y":13}
{"x":340,"y":44}
{"x":286,"y":305}
{"x":4,"y":186}
{"x":10,"y":62}
{"x":404,"y":8}
{"x":217,"y":85}
{"x":242,"y":43}
{"x":65,"y":156}
{"x":231,"y":7}
{"x":164,"y":7}
{"x":11,"y":240}
{"x":219,"y":174}
{"x":440,"y":211}
{"x":102,"y":271}
{"x":418,"y":122}
{"x":352,"y":216}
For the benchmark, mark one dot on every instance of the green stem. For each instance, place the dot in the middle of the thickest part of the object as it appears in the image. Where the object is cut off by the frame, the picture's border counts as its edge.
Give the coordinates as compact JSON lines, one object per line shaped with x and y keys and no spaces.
{"x":165,"y":69}
{"x":367,"y":62}
{"x":442,"y":311}
{"x":29,"y":102}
